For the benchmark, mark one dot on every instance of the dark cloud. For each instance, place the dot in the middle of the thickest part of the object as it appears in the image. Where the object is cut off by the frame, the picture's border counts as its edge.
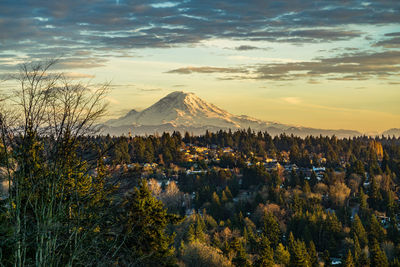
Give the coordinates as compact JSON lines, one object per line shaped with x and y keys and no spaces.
{"x":246,"y":47}
{"x":356,"y":66}
{"x":390,"y":43}
{"x":393,"y":34}
{"x":94,"y":26}
{"x":325,"y":34}
{"x":189,"y":70}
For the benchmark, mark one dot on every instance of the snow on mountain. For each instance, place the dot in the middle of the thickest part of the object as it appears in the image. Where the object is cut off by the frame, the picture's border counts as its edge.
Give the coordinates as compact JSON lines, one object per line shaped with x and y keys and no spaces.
{"x":184,"y":111}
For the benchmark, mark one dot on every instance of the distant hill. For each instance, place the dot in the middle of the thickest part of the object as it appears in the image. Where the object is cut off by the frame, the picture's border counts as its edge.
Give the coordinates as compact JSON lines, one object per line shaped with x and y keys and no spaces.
{"x":393,"y":131}
{"x":181,"y":111}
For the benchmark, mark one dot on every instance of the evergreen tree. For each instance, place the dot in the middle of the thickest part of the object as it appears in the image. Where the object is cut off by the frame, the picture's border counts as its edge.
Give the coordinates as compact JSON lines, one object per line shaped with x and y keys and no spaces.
{"x":312,"y":251}
{"x":241,"y":258}
{"x":265,"y":253}
{"x":378,"y":257}
{"x":121,"y":151}
{"x":349,"y":262}
{"x":191,"y":233}
{"x":298,"y":253}
{"x":395,"y":263}
{"x":282,"y":255}
{"x":363,"y":203}
{"x":55,"y":208}
{"x":252,"y":240}
{"x":313,"y":179}
{"x":376,"y":231}
{"x":199,"y":232}
{"x":224,"y":198}
{"x":357,"y":251}
{"x":144,"y":221}
{"x":375,"y":196}
{"x":271,"y":229}
{"x":358,"y":230}
{"x":327,"y":258}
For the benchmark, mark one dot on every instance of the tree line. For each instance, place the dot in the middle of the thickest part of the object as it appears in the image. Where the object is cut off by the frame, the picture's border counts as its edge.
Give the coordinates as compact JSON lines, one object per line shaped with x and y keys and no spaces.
{"x":63,"y":204}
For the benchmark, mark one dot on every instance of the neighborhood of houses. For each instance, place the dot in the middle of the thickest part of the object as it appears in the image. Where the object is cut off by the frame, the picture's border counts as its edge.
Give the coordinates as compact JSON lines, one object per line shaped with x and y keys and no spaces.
{"x":200,"y":160}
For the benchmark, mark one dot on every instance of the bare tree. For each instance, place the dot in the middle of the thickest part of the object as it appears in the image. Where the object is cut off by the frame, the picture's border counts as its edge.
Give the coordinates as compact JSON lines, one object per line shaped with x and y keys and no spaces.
{"x":172,"y":197}
{"x":41,"y":122}
{"x":339,"y":192}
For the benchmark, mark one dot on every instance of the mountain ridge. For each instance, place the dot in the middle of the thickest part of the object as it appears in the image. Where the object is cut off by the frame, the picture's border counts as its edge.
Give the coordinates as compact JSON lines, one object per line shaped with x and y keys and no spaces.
{"x":184,"y":111}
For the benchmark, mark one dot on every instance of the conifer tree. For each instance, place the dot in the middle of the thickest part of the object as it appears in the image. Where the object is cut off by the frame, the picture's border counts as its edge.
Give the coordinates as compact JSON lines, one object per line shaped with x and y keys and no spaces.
{"x":363,"y":201}
{"x":228,"y":193}
{"x":271,"y":229}
{"x":375,"y":196}
{"x":327,"y":258}
{"x":224,"y":198}
{"x":358,"y":230}
{"x":378,"y":257}
{"x":349,"y":262}
{"x":241,"y":258}
{"x":376,"y":231}
{"x":298,"y":253}
{"x":312,"y":251}
{"x":56,"y":206}
{"x":357,"y":250}
{"x":395,"y":263}
{"x":282,"y":255}
{"x":252,"y":240}
{"x":199,"y":232}
{"x":265,"y":253}
{"x":144,"y":220}
{"x":191,"y":233}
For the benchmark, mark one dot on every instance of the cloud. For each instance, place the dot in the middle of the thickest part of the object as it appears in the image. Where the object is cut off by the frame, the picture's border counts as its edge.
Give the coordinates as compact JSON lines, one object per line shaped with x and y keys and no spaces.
{"x":264,"y":59}
{"x":393,"y":34}
{"x":122,"y":85}
{"x":151,"y":89}
{"x":313,"y":81}
{"x":326,"y":34}
{"x":189,"y":70}
{"x":246,"y":47}
{"x":77,"y":75}
{"x":95,"y":26}
{"x":291,"y":100}
{"x":112,"y":100}
{"x":389,"y":43}
{"x":80,"y":63}
{"x":349,"y":66}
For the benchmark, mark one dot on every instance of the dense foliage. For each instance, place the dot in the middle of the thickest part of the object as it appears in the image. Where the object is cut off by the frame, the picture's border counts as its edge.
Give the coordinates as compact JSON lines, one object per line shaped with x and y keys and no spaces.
{"x":70,"y":198}
{"x":250,"y":199}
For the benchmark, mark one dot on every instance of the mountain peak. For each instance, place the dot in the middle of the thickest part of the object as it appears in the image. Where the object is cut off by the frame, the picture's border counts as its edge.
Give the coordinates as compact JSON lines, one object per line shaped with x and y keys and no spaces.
{"x":179,"y":93}
{"x":184,"y":111}
{"x":179,"y":108}
{"x":179,"y":96}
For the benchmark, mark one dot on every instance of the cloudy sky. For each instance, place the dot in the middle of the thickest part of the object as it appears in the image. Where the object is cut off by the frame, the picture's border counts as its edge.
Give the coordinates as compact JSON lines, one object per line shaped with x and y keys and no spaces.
{"x":330,"y":64}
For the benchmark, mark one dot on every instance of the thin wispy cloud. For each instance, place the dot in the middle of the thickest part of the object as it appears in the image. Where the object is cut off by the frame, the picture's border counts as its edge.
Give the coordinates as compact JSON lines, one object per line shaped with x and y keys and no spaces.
{"x":77,"y":75}
{"x":291,"y":100}
{"x":354,"y":66}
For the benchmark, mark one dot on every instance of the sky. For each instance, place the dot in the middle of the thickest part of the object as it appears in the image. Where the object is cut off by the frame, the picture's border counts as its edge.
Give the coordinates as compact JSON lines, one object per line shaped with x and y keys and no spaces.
{"x":323,"y":64}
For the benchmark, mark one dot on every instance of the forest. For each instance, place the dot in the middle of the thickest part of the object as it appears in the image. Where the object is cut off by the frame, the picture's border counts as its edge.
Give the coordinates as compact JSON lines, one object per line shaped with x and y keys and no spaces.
{"x":74,"y":197}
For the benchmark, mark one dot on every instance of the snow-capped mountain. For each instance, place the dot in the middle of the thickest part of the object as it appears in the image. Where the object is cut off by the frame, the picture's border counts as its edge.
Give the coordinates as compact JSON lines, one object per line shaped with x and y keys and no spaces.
{"x":181,"y":111}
